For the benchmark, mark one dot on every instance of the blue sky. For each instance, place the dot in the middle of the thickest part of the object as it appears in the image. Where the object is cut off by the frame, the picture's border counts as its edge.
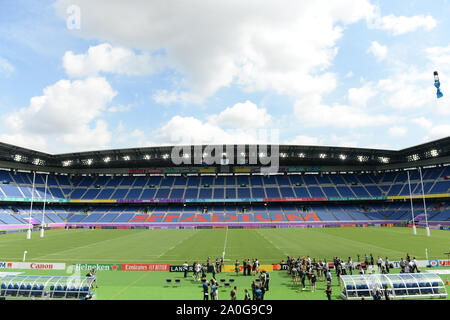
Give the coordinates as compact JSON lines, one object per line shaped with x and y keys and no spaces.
{"x":355,"y":73}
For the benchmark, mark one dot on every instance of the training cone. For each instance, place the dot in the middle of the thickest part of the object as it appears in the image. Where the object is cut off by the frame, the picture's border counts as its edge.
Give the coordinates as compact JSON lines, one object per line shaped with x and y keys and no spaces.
{"x":446,"y":282}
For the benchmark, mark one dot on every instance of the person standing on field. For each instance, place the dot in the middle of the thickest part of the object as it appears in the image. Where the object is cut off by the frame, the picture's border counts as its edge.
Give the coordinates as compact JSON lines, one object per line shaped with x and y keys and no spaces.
{"x":185,"y":268}
{"x":244,"y":266}
{"x":205,"y":290}
{"x":236,"y":268}
{"x":233,"y":294}
{"x":379,"y":263}
{"x":247,"y":295}
{"x":386,"y":264}
{"x":328,"y":290}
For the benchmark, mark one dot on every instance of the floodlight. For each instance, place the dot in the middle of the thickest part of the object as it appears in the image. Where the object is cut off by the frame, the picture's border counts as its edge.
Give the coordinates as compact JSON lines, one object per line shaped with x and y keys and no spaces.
{"x":107,"y":159}
{"x":384,"y":159}
{"x":38,"y":162}
{"x":87,"y":162}
{"x":147,"y":157}
{"x":363,"y":158}
{"x":342,"y":156}
{"x":301,"y":155}
{"x":67,"y":163}
{"x":413,"y":157}
{"x":434,"y":153}
{"x":165,"y":156}
{"x":322,"y":156}
{"x":17,"y":157}
{"x":126,"y":158}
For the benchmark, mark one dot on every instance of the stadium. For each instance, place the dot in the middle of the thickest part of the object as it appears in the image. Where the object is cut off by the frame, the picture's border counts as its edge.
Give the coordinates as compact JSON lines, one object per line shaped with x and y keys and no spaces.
{"x":183,"y":152}
{"x":136,"y":217}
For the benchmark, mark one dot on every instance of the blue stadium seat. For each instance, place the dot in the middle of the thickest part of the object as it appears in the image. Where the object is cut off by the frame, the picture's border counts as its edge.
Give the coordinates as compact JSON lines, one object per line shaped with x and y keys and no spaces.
{"x":3,"y":289}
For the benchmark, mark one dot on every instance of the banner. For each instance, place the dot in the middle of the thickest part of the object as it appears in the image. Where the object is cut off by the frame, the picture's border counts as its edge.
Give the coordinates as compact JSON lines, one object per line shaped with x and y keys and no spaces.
{"x":280,"y":266}
{"x":295,"y":199}
{"x":180,"y":268}
{"x":35,"y":200}
{"x":33,"y":265}
{"x":96,"y":266}
{"x":144,"y":267}
{"x":439,"y":263}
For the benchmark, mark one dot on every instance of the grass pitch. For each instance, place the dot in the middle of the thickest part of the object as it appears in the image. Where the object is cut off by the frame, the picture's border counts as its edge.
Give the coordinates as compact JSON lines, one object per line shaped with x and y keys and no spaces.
{"x":176,"y":246}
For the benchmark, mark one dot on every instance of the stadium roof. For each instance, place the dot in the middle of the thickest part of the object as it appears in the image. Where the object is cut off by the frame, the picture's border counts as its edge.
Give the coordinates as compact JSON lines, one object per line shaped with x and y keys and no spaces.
{"x":435,"y":152}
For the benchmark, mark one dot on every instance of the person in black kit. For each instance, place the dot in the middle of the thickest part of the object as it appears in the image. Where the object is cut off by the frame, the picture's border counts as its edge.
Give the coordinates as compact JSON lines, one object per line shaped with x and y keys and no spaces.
{"x":253,"y":290}
{"x":218,"y":265}
{"x":249,"y":267}
{"x":204,"y":271}
{"x":301,"y":272}
{"x":371,"y":260}
{"x":205,"y":290}
{"x":244,"y":264}
{"x":213,"y":269}
{"x":313,"y":281}
{"x":263,"y":290}
{"x":328,"y":290}
{"x":386,"y":293}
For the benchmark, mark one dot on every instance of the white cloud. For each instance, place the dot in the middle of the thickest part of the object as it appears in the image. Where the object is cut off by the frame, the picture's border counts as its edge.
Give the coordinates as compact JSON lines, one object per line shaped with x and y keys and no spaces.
{"x":64,"y":107}
{"x":85,"y":138}
{"x":440,"y":57}
{"x":360,"y":96}
{"x":192,"y":131}
{"x":214,"y":44}
{"x":242,"y":115}
{"x":438,"y":132}
{"x":399,"y":25}
{"x":378,"y":50}
{"x":423,"y":122}
{"x":303,"y":140}
{"x":311,"y":112}
{"x":348,"y":142}
{"x":6,"y":68}
{"x":106,"y":58}
{"x":407,"y":89}
{"x":30,"y":141}
{"x":397,"y":131}
{"x":64,"y":116}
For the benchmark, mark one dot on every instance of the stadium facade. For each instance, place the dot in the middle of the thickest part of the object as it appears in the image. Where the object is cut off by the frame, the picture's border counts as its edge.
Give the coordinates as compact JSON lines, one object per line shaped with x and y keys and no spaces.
{"x":144,"y":188}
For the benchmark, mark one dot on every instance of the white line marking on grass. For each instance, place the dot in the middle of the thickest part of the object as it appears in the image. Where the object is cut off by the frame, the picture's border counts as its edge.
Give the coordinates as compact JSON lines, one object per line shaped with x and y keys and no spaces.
{"x":225,"y":245}
{"x":271,"y":242}
{"x":176,"y":245}
{"x":125,"y":288}
{"x":87,"y":246}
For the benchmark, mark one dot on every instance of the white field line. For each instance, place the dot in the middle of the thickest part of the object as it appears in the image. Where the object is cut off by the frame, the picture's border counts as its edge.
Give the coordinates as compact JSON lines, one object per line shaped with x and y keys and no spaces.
{"x":86,"y":246}
{"x":272,"y":243}
{"x":176,"y":245}
{"x":225,"y":245}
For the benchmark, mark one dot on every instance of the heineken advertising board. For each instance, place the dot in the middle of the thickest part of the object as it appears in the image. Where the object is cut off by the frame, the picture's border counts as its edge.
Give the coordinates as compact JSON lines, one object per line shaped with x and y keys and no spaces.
{"x":96,"y":266}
